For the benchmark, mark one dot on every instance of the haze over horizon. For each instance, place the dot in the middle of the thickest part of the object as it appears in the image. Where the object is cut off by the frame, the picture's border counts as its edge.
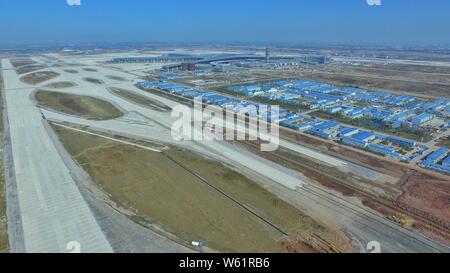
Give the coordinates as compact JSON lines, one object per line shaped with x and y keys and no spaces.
{"x":403,"y":22}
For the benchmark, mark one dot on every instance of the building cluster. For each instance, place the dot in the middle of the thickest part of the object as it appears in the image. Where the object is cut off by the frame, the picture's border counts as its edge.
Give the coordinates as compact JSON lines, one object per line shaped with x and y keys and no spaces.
{"x":395,"y":147}
{"x":438,"y":161}
{"x":252,"y":109}
{"x":334,"y":99}
{"x":313,"y":95}
{"x":353,"y":103}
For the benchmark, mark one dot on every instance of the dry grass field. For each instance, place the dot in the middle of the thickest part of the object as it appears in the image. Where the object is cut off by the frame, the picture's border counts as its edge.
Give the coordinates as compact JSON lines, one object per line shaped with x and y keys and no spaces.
{"x":82,"y":106}
{"x":93,"y":80}
{"x":39,"y":77}
{"x":58,"y":85}
{"x":163,"y":190}
{"x":3,"y":220}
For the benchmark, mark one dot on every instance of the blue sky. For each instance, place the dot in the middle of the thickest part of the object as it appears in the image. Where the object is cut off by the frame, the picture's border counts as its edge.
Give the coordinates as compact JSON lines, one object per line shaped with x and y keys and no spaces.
{"x":299,"y":21}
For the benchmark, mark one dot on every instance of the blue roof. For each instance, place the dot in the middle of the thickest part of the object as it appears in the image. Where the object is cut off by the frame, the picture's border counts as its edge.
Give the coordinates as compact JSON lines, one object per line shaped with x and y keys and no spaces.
{"x":422,"y":117}
{"x":364,"y":135}
{"x":437,"y":167}
{"x":437,"y":155}
{"x":446,"y":162}
{"x":347,"y":130}
{"x":327,"y":125}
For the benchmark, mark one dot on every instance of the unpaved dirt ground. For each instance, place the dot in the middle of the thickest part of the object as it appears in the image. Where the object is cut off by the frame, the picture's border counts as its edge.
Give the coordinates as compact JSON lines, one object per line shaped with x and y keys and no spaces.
{"x":414,"y":73}
{"x":22,"y":62}
{"x":431,"y":196}
{"x":39,"y":77}
{"x":411,"y":87}
{"x":29,"y":68}
{"x":425,"y":69}
{"x":387,"y":208}
{"x":420,"y":190}
{"x":428,"y":194}
{"x":424,"y":81}
{"x":83,"y":106}
{"x":164,"y":192}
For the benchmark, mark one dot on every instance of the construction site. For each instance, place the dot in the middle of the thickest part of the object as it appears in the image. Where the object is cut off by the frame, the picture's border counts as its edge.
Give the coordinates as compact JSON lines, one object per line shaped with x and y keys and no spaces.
{"x":104,"y":120}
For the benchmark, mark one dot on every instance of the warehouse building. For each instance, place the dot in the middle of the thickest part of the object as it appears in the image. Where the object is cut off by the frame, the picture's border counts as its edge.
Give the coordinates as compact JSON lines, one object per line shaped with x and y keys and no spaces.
{"x":401,"y":141}
{"x":402,"y":116}
{"x":446,"y":162}
{"x":348,"y":132}
{"x":432,"y":161}
{"x":326,"y":129}
{"x":384,"y":150}
{"x":360,"y":139}
{"x":355,"y":142}
{"x":365,"y":136}
{"x":422,"y":118}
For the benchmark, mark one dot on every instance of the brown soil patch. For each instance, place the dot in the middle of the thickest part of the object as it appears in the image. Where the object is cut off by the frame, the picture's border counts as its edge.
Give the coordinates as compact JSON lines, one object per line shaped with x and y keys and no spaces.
{"x":116,"y":78}
{"x":404,"y":86}
{"x":93,"y":80}
{"x":21,"y":62}
{"x":58,"y":85}
{"x":29,"y":68}
{"x":39,"y":77}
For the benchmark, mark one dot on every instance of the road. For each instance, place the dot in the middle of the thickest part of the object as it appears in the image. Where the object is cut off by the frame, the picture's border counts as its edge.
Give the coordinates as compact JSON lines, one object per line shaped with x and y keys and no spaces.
{"x":111,"y":139}
{"x":53,"y":212}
